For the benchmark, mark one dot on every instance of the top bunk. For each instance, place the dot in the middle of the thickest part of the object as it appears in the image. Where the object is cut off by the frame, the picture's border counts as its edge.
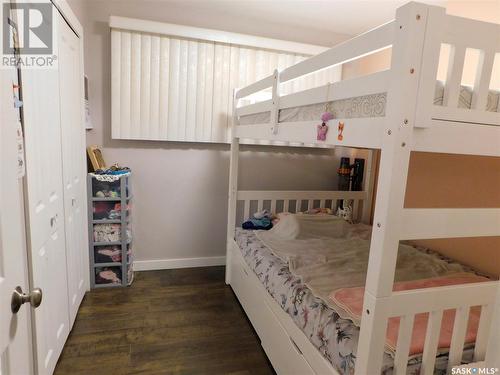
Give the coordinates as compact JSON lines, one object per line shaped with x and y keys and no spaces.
{"x":445,"y":115}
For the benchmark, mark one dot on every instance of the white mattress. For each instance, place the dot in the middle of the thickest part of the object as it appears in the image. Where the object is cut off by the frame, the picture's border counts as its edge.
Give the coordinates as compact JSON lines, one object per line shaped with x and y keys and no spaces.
{"x":362,"y":106}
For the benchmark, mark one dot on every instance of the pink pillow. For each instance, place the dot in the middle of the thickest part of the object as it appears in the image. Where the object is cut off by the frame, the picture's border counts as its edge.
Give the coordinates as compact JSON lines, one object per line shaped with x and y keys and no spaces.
{"x":351,"y":300}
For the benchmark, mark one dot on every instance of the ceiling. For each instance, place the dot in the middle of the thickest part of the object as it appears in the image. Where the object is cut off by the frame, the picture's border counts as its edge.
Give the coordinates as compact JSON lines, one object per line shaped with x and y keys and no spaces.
{"x":338,"y":16}
{"x":323,"y":22}
{"x":342,"y":17}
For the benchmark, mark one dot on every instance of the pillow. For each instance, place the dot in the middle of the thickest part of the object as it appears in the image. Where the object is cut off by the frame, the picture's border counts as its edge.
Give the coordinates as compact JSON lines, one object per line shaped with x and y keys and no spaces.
{"x":313,"y":211}
{"x":300,"y":226}
{"x":318,"y":211}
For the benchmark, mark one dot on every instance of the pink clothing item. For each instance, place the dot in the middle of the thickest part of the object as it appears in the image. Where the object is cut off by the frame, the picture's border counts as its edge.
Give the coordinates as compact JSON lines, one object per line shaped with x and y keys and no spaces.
{"x":322,"y":130}
{"x":115,"y":254}
{"x":351,"y":300}
{"x":110,"y":275}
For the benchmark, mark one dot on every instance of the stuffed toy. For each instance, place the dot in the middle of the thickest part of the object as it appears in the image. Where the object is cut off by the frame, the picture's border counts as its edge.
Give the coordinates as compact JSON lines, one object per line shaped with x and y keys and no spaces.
{"x":323,"y":128}
{"x":346,"y":212}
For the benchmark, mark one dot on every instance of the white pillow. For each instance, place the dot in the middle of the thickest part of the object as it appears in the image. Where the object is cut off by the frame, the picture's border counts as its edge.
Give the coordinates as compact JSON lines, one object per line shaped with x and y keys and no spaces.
{"x":291,"y":227}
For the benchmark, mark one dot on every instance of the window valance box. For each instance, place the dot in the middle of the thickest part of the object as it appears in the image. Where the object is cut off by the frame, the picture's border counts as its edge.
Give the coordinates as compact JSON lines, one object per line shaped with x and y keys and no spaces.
{"x":176,"y":83}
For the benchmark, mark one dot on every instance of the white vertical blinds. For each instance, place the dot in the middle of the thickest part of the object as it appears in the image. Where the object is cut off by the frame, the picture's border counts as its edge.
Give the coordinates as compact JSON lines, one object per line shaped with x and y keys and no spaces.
{"x":176,"y":89}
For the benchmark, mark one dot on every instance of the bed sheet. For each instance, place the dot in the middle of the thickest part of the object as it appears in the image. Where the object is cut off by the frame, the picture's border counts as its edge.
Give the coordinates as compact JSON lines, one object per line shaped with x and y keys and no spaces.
{"x":334,"y":337}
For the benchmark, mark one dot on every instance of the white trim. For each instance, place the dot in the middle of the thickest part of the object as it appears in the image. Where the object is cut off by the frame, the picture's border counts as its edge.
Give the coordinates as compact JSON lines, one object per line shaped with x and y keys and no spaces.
{"x":166,"y":264}
{"x":70,"y":17}
{"x":220,"y":36}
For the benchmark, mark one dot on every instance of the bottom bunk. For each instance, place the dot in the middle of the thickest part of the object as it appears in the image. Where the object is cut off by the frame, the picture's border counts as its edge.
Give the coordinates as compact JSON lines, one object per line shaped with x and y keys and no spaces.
{"x":301,"y":333}
{"x":286,"y":346}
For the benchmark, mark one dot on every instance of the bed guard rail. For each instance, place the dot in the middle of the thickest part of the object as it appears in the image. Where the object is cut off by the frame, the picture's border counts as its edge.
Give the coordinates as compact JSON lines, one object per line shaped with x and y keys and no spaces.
{"x":297,"y":201}
{"x":370,"y":42}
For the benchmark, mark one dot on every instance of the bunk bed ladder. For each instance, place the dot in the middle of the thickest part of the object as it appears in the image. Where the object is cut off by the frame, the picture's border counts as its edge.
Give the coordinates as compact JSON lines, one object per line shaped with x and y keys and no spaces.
{"x":410,"y":25}
{"x":416,"y":36}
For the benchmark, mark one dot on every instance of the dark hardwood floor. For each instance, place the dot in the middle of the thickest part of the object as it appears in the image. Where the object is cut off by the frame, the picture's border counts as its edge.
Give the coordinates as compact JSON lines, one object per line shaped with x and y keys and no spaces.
{"x":184,"y":321}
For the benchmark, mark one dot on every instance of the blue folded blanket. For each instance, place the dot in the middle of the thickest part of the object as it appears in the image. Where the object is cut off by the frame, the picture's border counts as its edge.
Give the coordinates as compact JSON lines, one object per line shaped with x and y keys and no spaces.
{"x":262,"y":223}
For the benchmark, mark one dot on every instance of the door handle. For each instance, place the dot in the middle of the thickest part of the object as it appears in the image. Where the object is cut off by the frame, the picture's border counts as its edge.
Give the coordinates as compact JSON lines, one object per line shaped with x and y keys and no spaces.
{"x":19,"y":298}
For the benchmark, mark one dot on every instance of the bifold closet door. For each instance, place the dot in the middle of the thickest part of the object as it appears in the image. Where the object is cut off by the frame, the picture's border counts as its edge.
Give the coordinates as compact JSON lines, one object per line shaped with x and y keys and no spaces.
{"x":73,"y":164}
{"x":56,"y":193}
{"x":45,"y":207}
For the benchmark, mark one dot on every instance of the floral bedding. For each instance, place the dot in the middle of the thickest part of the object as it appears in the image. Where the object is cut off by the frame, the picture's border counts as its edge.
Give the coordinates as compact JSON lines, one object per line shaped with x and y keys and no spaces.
{"x":334,"y":337}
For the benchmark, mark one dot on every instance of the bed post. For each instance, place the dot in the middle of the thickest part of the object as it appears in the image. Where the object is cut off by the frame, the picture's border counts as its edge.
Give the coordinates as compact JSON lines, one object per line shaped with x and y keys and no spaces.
{"x":407,"y":49}
{"x":275,"y":102}
{"x":493,"y":350}
{"x":369,"y":180}
{"x":233,"y":188}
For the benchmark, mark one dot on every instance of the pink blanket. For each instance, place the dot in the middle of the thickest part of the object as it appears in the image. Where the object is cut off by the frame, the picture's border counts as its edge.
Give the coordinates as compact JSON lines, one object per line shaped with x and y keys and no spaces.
{"x":351,"y":300}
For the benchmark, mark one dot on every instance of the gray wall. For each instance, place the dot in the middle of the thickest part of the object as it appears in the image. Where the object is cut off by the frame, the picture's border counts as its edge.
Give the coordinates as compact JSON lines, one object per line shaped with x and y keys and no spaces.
{"x":180,"y":189}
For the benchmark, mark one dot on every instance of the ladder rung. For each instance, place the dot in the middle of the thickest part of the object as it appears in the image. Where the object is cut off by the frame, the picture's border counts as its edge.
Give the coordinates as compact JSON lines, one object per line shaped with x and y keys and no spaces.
{"x":427,"y":223}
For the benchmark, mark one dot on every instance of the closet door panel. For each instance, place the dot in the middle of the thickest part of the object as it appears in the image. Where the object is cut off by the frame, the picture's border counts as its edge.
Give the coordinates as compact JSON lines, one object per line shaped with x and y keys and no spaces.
{"x":46,"y":232}
{"x":73,"y":152}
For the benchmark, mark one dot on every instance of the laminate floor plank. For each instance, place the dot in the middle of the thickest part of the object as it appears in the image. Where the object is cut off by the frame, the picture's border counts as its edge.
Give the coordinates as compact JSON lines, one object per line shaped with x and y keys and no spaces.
{"x":183,"y":321}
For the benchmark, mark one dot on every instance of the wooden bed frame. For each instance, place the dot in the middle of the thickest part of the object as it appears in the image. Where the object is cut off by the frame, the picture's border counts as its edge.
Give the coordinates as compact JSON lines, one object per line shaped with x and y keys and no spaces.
{"x":286,"y":346}
{"x":411,"y":123}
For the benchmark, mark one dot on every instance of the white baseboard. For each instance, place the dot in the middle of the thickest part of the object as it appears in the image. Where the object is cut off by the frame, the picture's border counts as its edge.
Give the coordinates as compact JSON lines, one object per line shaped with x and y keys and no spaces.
{"x":166,"y":264}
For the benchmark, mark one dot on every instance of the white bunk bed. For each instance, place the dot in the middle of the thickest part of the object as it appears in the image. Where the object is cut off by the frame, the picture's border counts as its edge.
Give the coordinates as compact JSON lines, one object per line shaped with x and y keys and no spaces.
{"x":411,"y":120}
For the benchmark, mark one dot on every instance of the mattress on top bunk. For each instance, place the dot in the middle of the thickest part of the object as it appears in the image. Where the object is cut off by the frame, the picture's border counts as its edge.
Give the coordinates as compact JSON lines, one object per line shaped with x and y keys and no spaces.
{"x":335,"y":336}
{"x":362,"y":106}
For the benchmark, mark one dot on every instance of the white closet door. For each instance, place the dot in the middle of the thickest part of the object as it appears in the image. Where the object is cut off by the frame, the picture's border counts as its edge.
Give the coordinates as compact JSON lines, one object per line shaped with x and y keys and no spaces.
{"x":73,"y":162}
{"x":46,"y":212}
